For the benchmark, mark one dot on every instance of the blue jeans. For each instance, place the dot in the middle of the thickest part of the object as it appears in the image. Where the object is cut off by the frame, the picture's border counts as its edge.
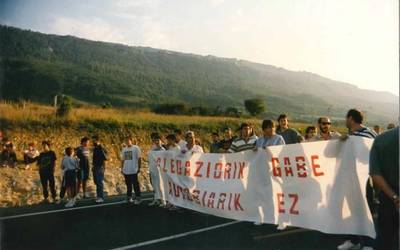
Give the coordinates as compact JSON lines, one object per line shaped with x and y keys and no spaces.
{"x":98,"y":178}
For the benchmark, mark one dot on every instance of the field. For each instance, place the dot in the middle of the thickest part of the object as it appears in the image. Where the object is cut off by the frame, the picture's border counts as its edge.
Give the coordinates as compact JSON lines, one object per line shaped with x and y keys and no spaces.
{"x":24,"y":123}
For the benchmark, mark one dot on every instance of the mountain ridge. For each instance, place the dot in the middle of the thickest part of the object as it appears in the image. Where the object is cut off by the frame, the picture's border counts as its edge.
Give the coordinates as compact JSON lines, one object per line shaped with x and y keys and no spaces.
{"x":96,"y":72}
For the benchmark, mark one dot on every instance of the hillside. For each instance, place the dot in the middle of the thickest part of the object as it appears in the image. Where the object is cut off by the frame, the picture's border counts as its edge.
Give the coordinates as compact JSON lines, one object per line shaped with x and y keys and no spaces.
{"x":36,"y":66}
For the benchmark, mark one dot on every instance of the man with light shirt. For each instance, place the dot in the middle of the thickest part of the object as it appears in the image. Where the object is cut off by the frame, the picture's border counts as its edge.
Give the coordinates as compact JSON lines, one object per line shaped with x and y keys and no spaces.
{"x":269,"y":137}
{"x":154,"y":172}
{"x":191,"y":146}
{"x":325,"y":133}
{"x":131,"y":163}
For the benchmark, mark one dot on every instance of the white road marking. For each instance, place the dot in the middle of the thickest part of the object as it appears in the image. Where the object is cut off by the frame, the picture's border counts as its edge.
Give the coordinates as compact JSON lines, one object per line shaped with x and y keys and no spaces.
{"x":176,"y":236}
{"x":64,"y":210}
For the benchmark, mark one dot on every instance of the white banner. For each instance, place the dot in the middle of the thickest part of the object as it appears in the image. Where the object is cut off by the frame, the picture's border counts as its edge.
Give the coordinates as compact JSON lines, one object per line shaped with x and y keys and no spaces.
{"x":316,"y":185}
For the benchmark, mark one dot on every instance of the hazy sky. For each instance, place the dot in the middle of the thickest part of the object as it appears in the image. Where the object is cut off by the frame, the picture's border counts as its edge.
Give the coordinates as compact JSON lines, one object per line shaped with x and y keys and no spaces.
{"x":354,"y":41}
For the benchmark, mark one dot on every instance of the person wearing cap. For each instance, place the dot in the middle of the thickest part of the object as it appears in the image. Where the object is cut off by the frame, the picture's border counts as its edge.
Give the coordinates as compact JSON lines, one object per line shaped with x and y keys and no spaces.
{"x":290,"y":135}
{"x":191,"y":146}
{"x":46,"y":162}
{"x":246,"y":141}
{"x":325,"y":132}
{"x":130,"y":168}
{"x":269,"y":137}
{"x":30,"y":155}
{"x":99,"y":159}
{"x":154,"y":172}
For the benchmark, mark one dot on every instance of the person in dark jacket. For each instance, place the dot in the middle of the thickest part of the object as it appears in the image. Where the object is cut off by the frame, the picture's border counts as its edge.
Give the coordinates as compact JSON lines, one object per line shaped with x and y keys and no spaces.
{"x":46,"y":162}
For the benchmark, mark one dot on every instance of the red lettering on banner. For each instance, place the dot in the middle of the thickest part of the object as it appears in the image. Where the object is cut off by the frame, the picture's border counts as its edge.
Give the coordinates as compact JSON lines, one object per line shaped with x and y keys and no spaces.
{"x":221,"y":201}
{"x":186,"y":194}
{"x":203,"y":200}
{"x":301,"y":166}
{"x":178,"y":164}
{"x":288,"y":168}
{"x":229,"y":203}
{"x":227,"y":172}
{"x":165,"y":164}
{"x":276,"y":170}
{"x":241,"y":168}
{"x":170,"y":188}
{"x":172,"y":166}
{"x":234,"y":171}
{"x":208,"y":170}
{"x":295,"y":198}
{"x":281,"y":203}
{"x":211,"y":198}
{"x":315,"y":166}
{"x":187,"y":168}
{"x":196,"y":194}
{"x":158,"y":161}
{"x":199,"y":165}
{"x":218,"y":171}
{"x":237,"y":202}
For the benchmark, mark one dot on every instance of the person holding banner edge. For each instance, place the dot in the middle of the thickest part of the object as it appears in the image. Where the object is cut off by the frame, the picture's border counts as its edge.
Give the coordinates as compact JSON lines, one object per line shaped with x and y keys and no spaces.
{"x":354,"y":122}
{"x":384,"y":170}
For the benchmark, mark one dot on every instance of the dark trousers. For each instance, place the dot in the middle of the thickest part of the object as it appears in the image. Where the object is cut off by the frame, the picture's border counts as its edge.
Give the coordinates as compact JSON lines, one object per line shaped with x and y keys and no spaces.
{"x":63,"y":188}
{"x":388,"y":224}
{"x":132,"y":180}
{"x":47,"y":179}
{"x":98,"y":178}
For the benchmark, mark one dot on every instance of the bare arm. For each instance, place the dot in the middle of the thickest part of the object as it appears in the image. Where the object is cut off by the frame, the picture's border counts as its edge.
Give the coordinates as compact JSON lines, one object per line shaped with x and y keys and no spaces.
{"x":381,"y":183}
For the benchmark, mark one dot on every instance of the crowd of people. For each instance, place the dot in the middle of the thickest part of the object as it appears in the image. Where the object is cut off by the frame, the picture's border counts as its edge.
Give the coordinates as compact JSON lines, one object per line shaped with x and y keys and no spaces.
{"x":75,"y":164}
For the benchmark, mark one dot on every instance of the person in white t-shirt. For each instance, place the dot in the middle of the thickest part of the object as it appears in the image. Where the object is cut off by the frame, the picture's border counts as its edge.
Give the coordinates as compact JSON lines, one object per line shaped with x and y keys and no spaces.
{"x":154,"y":171}
{"x":130,"y":168}
{"x":191,"y":146}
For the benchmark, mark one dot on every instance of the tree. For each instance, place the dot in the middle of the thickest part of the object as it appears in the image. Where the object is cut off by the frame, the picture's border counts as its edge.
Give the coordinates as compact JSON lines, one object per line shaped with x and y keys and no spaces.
{"x":65,"y":106}
{"x":255,"y":106}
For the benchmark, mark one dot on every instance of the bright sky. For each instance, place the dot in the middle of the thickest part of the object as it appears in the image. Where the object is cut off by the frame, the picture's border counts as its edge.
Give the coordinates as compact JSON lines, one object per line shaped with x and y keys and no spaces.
{"x":355,"y":41}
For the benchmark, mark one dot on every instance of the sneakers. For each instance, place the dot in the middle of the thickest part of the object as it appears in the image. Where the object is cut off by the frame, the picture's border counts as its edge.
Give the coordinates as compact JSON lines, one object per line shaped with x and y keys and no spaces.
{"x":70,"y":203}
{"x":257,"y":223}
{"x":129,"y":200}
{"x":78,"y":197}
{"x":137,"y":201}
{"x":99,"y":200}
{"x":86,"y":195}
{"x":347,"y":245}
{"x":154,"y":203}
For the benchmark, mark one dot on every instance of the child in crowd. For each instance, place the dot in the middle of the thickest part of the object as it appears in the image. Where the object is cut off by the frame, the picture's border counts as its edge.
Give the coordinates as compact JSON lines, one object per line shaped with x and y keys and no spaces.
{"x":30,"y":155}
{"x":69,"y":166}
{"x":46,"y":162}
{"x":154,"y":172}
{"x":131,"y":163}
